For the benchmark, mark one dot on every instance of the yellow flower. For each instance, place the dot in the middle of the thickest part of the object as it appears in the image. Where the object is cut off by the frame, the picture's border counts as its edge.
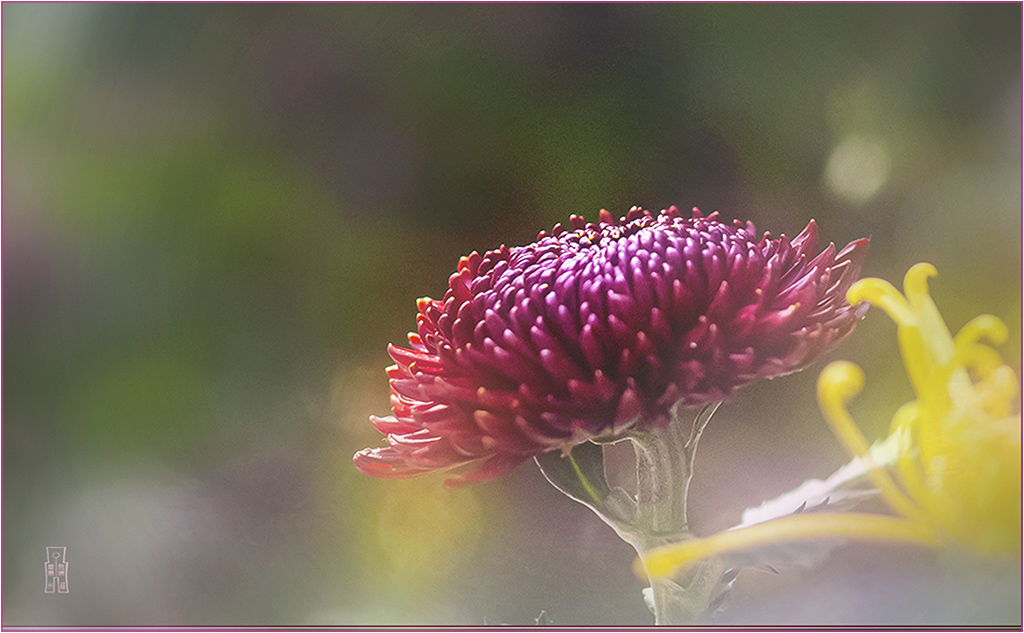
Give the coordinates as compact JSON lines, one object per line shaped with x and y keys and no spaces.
{"x":956,"y":477}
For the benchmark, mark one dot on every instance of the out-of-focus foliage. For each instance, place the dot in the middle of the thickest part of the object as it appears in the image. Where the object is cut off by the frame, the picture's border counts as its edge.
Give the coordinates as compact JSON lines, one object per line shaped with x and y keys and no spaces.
{"x":216,"y":217}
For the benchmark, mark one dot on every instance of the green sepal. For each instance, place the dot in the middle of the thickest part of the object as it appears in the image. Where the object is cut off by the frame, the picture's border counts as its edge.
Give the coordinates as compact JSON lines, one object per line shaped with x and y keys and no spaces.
{"x":579,"y":474}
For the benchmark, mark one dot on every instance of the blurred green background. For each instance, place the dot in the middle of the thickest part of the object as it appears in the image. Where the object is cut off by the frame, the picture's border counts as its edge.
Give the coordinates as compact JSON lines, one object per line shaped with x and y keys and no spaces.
{"x":216,"y":217}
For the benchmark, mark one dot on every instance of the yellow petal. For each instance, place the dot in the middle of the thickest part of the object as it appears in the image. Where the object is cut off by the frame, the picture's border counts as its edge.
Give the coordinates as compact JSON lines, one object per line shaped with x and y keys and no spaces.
{"x":665,"y":561}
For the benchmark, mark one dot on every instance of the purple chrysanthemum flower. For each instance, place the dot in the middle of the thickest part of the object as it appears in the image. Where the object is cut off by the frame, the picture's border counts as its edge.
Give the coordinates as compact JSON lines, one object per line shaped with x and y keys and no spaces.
{"x":600,"y":330}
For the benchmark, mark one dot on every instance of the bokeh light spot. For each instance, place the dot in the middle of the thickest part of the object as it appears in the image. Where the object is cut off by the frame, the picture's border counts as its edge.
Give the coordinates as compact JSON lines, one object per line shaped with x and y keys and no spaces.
{"x":857,"y":169}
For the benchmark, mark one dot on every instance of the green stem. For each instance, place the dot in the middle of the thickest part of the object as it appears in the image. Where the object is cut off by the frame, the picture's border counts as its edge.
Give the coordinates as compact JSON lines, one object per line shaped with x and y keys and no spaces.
{"x":656,"y":517}
{"x":664,"y":467}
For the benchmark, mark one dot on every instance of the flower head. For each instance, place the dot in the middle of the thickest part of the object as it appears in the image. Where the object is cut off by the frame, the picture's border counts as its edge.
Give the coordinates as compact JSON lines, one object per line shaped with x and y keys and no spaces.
{"x":593,"y":331}
{"x":956,"y":472}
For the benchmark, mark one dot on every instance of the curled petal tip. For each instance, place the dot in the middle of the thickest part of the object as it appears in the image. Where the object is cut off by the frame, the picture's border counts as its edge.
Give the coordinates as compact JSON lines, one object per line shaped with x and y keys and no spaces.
{"x":983,"y":326}
{"x":915,"y":282}
{"x":884,"y":295}
{"x":841,"y":380}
